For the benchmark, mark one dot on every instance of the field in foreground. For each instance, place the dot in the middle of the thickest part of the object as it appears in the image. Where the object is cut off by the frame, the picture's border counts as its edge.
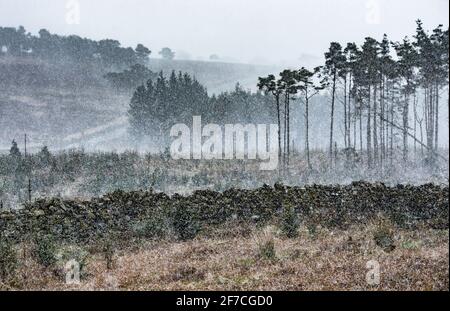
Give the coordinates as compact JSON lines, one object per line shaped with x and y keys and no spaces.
{"x":361,"y":236}
{"x":243,"y":259}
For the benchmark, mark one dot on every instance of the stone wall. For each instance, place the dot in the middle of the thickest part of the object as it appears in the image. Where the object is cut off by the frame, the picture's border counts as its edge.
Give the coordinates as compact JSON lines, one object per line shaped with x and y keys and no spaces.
{"x":328,"y":206}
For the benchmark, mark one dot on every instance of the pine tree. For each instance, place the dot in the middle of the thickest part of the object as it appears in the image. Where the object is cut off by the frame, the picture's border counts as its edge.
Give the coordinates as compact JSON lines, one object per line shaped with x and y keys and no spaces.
{"x":14,"y":151}
{"x":407,"y":59}
{"x":308,"y":88}
{"x":142,"y":53}
{"x":334,"y":63}
{"x":288,"y":85}
{"x":270,"y":85}
{"x":369,"y":65}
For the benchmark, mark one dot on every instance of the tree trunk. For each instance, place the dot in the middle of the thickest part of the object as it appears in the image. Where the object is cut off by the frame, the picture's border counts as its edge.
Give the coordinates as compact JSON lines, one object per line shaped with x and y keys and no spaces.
{"x":279,"y":126}
{"x":360,"y":129}
{"x":426,"y":113}
{"x":368,"y":132}
{"x":375,"y":130}
{"x":346,"y":125}
{"x":285,"y":133}
{"x":332,"y":117}
{"x":288,"y":129}
{"x":354,"y":132}
{"x":391,"y":153}
{"x":307,"y":131}
{"x":421,"y":137}
{"x":405,"y":127}
{"x":436,"y":129}
{"x":382,"y":108}
{"x":349,"y":114}
{"x":415,"y":121}
{"x":430,"y":123}
{"x":386,"y":130}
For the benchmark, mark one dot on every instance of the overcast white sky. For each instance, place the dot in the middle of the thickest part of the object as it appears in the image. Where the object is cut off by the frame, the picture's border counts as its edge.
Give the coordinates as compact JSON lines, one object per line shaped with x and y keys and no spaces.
{"x":245,"y":30}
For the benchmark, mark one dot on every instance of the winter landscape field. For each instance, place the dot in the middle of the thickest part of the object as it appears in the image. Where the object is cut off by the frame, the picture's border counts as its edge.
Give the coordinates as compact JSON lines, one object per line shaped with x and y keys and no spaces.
{"x":293,"y":150}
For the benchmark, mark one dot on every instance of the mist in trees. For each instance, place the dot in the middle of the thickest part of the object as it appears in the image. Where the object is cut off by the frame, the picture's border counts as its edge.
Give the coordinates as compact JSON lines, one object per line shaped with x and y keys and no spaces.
{"x":387,"y":95}
{"x":160,"y":103}
{"x":377,"y":101}
{"x":389,"y":91}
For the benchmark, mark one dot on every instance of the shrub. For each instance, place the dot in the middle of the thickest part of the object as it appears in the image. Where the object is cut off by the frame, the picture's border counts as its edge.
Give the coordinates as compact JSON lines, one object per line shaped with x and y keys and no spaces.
{"x":267,"y":250}
{"x":45,"y":251}
{"x":312,"y":230}
{"x":383,"y":235}
{"x":108,"y":251}
{"x":154,"y":226}
{"x":266,"y":245}
{"x":8,"y":259}
{"x":290,"y":222}
{"x":185,"y":224}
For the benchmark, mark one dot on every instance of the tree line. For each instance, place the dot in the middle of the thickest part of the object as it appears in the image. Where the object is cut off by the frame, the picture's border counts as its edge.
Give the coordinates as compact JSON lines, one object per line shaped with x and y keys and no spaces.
{"x":20,"y":43}
{"x":388,"y":95}
{"x":387,"y":89}
{"x":162,"y":102}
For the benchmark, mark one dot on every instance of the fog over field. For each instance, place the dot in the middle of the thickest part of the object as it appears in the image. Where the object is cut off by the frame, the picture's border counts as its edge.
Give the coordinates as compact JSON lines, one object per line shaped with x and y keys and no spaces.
{"x":139,"y":137}
{"x":237,"y":32}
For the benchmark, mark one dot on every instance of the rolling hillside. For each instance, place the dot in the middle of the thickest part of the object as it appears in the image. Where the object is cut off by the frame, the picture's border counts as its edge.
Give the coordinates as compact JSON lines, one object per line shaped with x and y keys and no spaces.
{"x":65,"y":105}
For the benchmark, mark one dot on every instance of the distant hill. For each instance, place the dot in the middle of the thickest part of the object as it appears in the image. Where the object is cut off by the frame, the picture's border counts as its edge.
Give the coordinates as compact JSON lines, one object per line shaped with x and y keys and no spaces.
{"x":54,"y":87}
{"x":60,"y":103}
{"x":216,"y":76}
{"x":48,"y":59}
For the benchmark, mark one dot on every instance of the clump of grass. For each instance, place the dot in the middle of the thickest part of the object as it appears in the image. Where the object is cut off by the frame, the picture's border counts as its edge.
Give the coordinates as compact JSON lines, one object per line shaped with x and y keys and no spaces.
{"x":8,"y":259}
{"x":185,"y":224}
{"x":409,"y":245}
{"x":187,"y":273}
{"x":383,"y":235}
{"x":45,"y":251}
{"x":108,"y":251}
{"x":245,"y":264}
{"x":266,"y":245}
{"x":267,"y":250}
{"x":290,"y":222}
{"x":296,"y":254}
{"x":312,"y":230}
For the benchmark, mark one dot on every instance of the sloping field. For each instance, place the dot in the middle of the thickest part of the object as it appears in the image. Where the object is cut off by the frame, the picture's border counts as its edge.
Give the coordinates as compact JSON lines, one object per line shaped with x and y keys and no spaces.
{"x":52,"y":103}
{"x":357,"y":237}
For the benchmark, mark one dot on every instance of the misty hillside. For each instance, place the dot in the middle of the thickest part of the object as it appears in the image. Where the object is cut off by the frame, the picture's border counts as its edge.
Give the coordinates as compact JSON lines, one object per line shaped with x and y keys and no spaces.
{"x":28,"y":72}
{"x":71,"y":104}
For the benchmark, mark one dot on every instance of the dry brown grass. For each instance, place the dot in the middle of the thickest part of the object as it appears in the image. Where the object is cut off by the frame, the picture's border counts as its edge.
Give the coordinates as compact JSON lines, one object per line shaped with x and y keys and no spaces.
{"x":331,"y":260}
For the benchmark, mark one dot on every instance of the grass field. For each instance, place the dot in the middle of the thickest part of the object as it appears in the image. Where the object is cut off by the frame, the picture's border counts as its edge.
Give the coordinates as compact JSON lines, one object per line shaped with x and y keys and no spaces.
{"x":242,"y":258}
